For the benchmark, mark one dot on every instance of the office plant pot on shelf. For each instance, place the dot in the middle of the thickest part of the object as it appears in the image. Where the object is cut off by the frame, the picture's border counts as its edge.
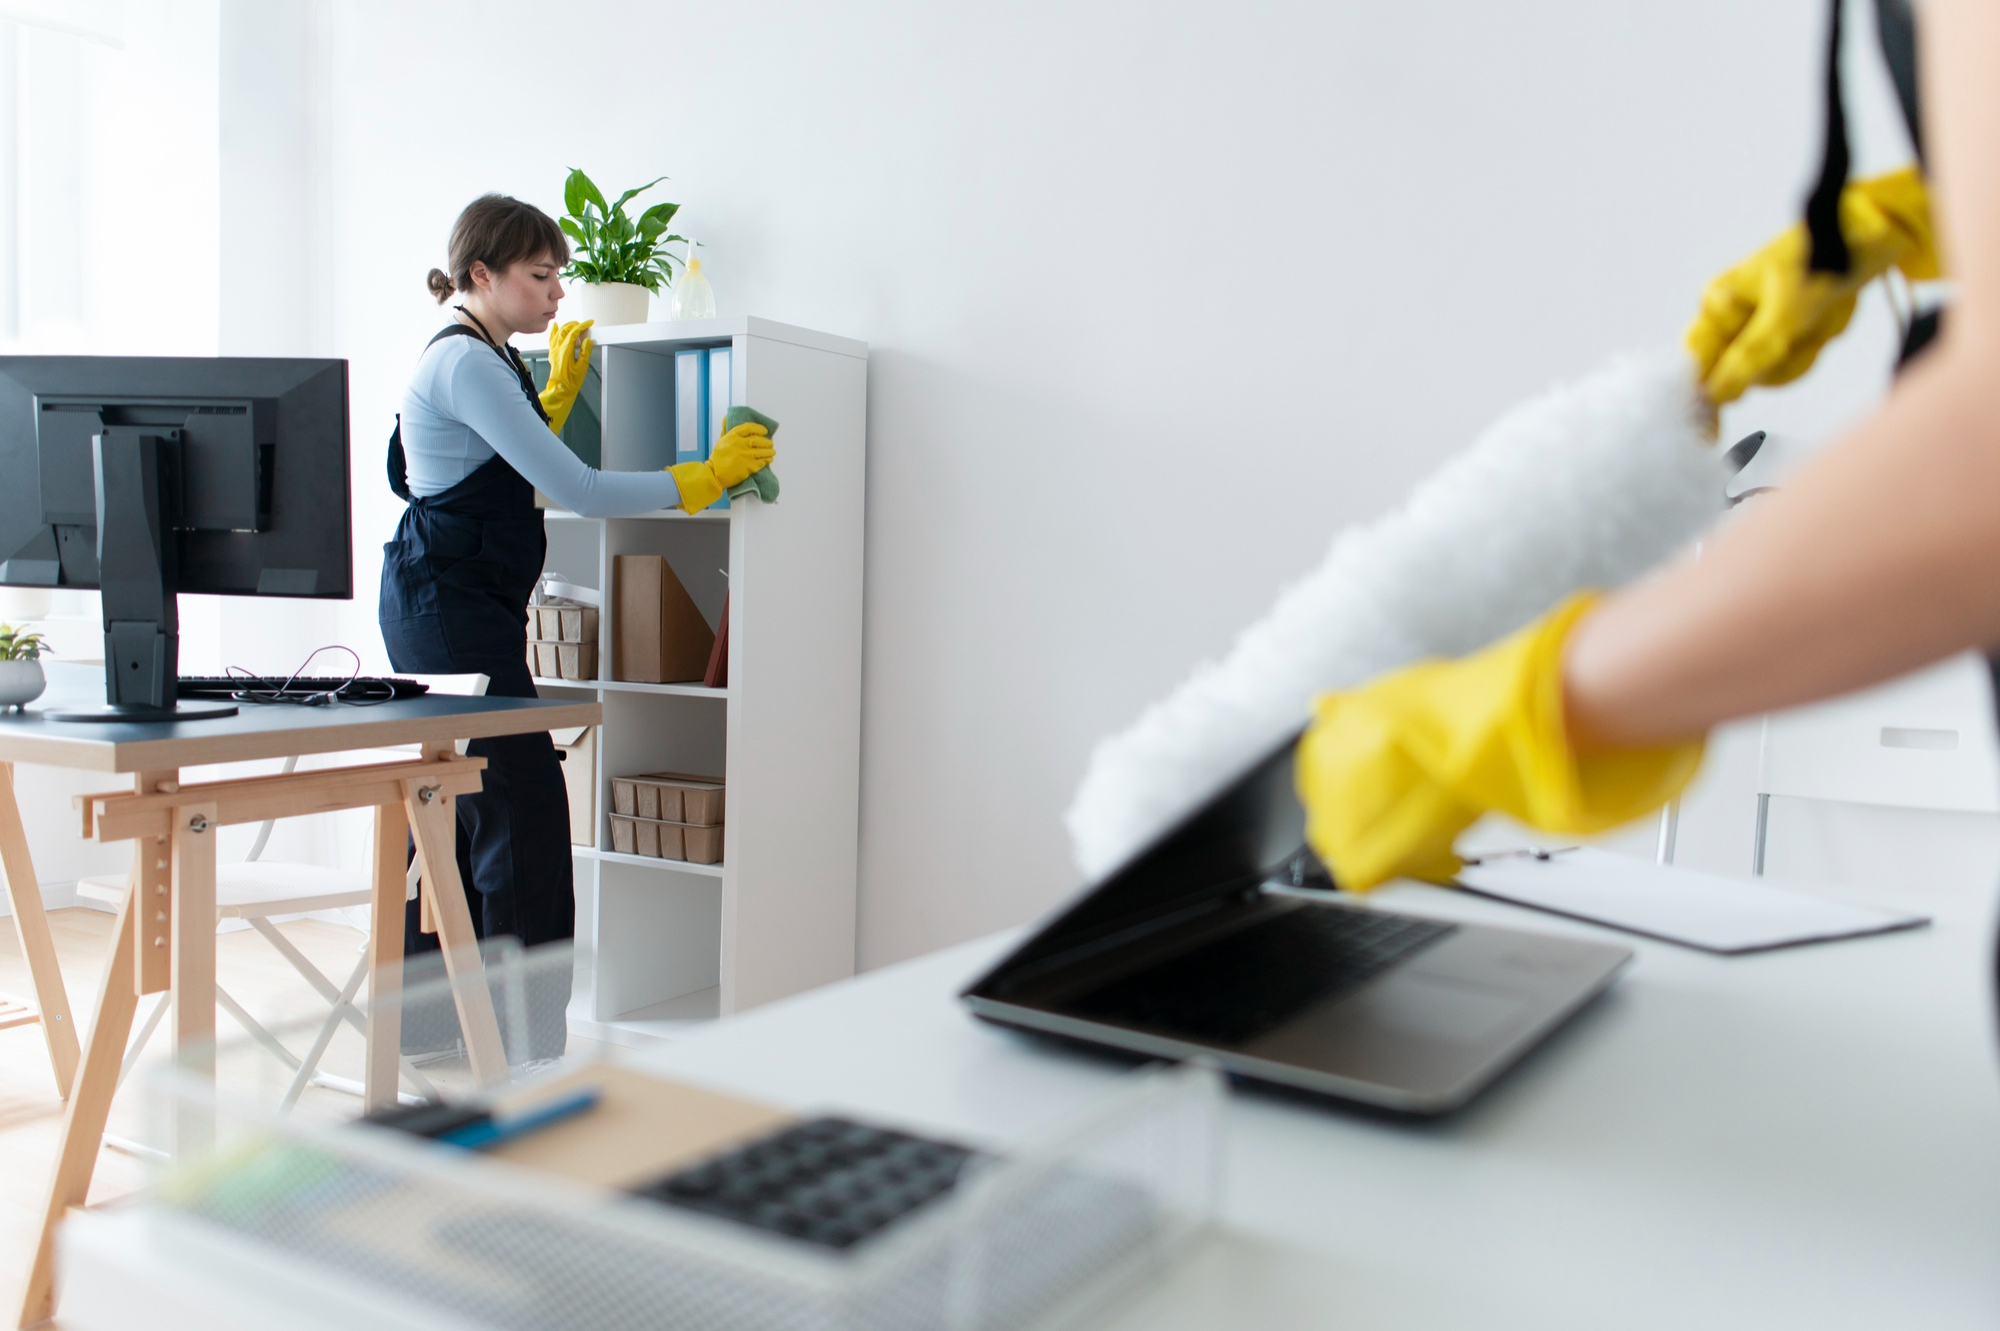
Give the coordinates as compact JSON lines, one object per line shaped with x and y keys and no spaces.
{"x":618,"y":260}
{"x":606,"y":302}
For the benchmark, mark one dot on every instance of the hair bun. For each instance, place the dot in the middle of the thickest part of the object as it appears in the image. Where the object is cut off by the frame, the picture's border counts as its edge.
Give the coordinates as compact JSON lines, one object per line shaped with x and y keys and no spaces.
{"x":440,"y":285}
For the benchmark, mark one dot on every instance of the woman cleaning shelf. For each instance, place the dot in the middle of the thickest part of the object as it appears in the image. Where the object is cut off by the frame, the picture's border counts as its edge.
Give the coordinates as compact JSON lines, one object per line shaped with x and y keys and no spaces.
{"x":473,"y":443}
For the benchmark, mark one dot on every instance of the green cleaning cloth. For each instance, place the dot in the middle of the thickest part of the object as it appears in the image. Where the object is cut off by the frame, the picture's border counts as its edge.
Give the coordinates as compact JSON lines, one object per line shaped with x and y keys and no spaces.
{"x":763,"y":484}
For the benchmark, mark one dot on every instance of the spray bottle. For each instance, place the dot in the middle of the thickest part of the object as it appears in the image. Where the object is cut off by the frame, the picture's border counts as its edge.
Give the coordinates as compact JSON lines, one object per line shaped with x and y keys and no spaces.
{"x":692,"y":297}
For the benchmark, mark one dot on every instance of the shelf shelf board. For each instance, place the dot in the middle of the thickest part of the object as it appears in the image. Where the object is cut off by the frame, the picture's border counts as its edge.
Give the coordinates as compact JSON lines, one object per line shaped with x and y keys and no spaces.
{"x":651,"y":1025}
{"x":665,"y":338}
{"x":673,"y":514}
{"x":629,"y":686}
{"x":649,"y":862}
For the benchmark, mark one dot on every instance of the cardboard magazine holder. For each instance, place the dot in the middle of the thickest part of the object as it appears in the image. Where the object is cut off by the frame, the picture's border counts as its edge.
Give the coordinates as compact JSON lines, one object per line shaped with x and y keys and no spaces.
{"x":657,"y":633}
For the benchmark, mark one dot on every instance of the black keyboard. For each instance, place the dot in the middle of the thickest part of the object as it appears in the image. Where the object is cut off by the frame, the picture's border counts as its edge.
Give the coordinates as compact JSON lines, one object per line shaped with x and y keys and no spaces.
{"x":364,"y":688}
{"x":1236,"y":989}
{"x":827,"y":1181}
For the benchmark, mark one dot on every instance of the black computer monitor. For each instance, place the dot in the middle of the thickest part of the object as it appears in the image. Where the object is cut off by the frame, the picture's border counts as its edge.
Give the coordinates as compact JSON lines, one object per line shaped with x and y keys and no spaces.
{"x":148,"y":476}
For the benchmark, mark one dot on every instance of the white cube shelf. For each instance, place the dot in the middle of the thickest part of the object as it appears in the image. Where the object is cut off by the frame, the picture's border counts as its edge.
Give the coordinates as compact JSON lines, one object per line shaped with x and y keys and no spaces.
{"x":675,"y":942}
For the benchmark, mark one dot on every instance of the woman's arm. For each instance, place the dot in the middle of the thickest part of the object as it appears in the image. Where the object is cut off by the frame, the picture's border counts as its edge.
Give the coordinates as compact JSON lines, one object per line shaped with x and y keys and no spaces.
{"x":485,"y":395}
{"x":1884,"y":553}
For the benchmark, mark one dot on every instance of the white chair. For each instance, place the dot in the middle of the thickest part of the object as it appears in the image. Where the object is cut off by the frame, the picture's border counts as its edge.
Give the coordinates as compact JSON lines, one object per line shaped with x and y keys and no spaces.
{"x":255,"y":892}
{"x":1924,"y":741}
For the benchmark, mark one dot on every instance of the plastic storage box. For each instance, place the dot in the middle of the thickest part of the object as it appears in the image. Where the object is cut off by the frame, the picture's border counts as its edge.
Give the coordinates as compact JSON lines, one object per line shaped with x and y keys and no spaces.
{"x":1037,"y":1232}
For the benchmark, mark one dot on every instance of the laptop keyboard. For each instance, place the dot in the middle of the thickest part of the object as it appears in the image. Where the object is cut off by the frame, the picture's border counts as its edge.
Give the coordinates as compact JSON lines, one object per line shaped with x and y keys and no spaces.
{"x":1235,"y":990}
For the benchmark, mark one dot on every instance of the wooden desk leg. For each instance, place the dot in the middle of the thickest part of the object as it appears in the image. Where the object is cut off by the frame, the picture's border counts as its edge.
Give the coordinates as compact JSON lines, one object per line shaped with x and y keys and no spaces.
{"x":31,"y":926}
{"x":434,"y":827}
{"x":193,"y":948}
{"x":385,"y":957}
{"x":89,"y":1108}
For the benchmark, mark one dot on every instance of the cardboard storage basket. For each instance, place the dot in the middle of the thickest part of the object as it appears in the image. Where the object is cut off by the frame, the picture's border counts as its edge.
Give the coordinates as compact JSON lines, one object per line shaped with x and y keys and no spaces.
{"x":662,"y":840}
{"x":562,"y":660}
{"x":673,"y":797}
{"x":563,"y":623}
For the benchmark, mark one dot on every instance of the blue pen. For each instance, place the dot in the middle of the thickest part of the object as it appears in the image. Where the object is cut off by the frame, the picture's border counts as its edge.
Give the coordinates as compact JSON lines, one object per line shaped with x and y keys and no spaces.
{"x":493,"y":1130}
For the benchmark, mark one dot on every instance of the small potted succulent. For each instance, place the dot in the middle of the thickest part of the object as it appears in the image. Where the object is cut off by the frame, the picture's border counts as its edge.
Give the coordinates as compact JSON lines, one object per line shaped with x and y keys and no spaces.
{"x":619,"y":260}
{"x":21,"y":678}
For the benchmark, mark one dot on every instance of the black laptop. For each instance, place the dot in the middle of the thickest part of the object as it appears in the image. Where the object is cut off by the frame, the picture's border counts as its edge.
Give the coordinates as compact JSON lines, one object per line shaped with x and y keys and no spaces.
{"x":1220,"y":941}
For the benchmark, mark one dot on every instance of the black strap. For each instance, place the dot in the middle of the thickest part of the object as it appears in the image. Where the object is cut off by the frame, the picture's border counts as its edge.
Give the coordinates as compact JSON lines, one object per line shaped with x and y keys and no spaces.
{"x":399,"y":463}
{"x":1896,"y":27}
{"x":1829,"y":247}
{"x":508,"y":354}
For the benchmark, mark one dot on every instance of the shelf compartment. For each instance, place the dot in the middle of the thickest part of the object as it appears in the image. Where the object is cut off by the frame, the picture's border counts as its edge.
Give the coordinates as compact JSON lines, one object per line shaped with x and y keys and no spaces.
{"x":656,"y":936}
{"x":630,"y":686}
{"x":650,"y":862}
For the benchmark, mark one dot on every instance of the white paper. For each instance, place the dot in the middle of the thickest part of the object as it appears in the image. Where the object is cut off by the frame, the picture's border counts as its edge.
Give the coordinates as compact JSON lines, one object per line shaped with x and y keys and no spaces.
{"x":1704,"y":910}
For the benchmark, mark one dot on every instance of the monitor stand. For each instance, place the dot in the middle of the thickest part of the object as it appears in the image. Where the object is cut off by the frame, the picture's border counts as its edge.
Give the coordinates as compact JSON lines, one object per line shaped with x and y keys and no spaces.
{"x":138,"y":499}
{"x":124,"y":714}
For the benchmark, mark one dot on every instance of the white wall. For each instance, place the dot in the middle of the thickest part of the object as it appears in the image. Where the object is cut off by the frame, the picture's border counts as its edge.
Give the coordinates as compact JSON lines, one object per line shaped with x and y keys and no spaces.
{"x":1160,"y":294}
{"x":108,"y":222}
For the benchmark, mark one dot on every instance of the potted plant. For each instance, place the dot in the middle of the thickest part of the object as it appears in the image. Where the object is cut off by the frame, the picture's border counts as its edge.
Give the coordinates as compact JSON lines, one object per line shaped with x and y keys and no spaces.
{"x":618,"y":261}
{"x":21,"y":678}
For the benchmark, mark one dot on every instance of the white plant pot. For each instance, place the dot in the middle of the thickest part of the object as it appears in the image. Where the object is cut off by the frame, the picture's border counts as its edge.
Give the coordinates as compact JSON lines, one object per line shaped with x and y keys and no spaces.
{"x":607,"y":302}
{"x":21,"y":682}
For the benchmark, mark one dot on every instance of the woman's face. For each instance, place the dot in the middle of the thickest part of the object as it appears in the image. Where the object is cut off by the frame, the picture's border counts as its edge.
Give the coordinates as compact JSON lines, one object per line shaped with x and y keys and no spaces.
{"x":523,"y":295}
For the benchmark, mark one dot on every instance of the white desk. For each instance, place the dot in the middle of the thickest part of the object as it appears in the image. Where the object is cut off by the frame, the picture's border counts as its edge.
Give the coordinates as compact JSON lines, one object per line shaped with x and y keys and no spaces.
{"x":1806,"y":1138}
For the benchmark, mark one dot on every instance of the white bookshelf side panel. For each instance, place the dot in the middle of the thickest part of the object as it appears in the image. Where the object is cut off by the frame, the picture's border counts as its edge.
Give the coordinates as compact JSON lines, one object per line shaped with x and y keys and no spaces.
{"x":794,"y":709}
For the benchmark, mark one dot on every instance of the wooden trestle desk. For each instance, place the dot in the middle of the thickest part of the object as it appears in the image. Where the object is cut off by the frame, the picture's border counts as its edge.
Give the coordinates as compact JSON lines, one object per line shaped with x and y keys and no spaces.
{"x":165,"y":939}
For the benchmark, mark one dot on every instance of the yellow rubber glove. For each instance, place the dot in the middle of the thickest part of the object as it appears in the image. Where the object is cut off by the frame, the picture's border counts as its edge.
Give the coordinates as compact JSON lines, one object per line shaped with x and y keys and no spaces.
{"x":745,"y":449}
{"x":569,"y":360}
{"x":1392,"y":772}
{"x":1765,"y":320}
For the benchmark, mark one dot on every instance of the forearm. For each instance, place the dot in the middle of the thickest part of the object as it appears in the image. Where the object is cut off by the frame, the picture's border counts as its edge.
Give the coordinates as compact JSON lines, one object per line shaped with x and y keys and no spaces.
{"x":1880,"y":556}
{"x":510,"y":427}
{"x":591,"y":493}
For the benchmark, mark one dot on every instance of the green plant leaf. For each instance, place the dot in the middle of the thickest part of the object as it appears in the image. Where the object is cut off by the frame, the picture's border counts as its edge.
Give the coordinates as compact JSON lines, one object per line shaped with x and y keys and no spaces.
{"x":577,"y":190}
{"x":594,"y":194}
{"x":570,"y":229}
{"x":628,"y":194}
{"x":663,"y":213}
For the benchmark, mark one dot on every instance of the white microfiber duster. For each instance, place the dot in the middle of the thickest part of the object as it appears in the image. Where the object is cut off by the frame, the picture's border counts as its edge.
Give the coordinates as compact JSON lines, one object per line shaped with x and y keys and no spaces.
{"x":1588,"y":485}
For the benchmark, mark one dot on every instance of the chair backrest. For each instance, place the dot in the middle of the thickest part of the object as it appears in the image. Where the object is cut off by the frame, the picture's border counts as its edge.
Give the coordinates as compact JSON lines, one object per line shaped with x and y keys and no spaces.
{"x":1925,"y":741}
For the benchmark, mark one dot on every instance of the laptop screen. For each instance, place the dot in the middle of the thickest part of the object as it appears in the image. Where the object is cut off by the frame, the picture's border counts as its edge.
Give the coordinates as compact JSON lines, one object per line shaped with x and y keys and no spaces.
{"x":1246,"y":832}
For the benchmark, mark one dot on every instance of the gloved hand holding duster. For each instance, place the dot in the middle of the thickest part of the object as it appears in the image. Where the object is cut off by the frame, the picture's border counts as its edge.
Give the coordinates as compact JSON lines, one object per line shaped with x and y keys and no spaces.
{"x":1392,"y":772}
{"x":1587,"y":487}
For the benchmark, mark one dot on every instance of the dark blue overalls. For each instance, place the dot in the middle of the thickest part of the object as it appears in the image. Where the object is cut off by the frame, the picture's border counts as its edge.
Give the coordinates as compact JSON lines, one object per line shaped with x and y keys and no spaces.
{"x":455,"y":588}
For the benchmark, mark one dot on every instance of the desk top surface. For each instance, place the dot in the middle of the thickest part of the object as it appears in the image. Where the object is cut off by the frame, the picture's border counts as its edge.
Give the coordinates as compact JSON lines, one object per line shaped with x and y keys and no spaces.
{"x":1801,"y":1138}
{"x":276,"y":731}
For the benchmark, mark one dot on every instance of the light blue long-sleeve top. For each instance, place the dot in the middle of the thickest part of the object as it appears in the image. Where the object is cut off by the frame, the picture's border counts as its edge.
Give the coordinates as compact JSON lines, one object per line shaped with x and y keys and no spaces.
{"x":465,"y":404}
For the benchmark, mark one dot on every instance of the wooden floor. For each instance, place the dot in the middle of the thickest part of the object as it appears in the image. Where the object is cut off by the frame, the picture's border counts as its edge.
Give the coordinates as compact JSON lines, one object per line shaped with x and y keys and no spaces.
{"x":30,"y":1111}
